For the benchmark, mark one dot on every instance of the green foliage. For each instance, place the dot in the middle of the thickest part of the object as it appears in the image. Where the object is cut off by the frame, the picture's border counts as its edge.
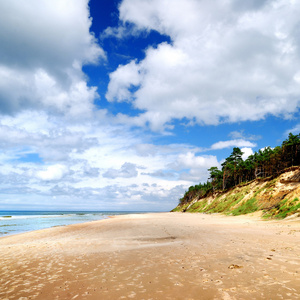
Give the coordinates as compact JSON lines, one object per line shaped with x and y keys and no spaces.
{"x":199,"y":191}
{"x":292,"y":140}
{"x":258,"y":191}
{"x":177,"y":208}
{"x":283,"y":209}
{"x":247,"y":207}
{"x":235,"y":171}
{"x":224,"y":204}
{"x":182,"y":207}
{"x":216,"y":178}
{"x":198,"y":206}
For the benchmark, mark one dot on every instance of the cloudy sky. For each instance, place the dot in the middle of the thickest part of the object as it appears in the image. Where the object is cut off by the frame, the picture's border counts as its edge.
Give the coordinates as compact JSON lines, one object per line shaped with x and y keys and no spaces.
{"x":123,"y":104}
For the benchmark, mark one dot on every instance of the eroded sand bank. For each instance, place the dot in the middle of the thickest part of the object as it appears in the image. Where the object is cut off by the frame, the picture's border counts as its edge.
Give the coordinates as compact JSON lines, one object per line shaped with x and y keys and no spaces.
{"x":155,"y":256}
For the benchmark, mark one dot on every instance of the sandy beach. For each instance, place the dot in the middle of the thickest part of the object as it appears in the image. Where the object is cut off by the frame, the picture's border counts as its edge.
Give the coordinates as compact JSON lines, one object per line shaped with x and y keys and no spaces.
{"x":155,"y":256}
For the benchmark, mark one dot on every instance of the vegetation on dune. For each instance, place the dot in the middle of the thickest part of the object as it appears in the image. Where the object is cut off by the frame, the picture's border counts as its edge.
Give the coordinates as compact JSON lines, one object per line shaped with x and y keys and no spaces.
{"x":246,"y":208}
{"x":283,"y":209}
{"x":227,"y":188}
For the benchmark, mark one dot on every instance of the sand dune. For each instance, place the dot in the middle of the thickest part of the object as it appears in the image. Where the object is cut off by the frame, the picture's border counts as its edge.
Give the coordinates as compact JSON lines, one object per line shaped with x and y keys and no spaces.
{"x":155,"y":256}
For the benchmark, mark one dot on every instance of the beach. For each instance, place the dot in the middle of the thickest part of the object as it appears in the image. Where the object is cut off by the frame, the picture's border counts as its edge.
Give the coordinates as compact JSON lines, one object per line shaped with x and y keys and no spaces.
{"x":155,"y":256}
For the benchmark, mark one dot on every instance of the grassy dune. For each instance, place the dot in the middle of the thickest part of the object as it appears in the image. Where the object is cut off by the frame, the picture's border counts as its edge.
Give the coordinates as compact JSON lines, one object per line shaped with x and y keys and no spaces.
{"x":274,"y":198}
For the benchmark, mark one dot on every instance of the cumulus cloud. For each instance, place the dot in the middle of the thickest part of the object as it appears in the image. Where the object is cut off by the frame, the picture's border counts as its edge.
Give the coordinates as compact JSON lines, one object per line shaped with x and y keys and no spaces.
{"x":54,"y":172}
{"x":246,"y":152}
{"x":163,"y":174}
{"x":43,"y":48}
{"x":194,"y":168}
{"x":128,"y":170}
{"x":228,"y":62}
{"x":232,"y":143}
{"x":122,"y":80}
{"x":93,"y":165}
{"x":51,"y":138}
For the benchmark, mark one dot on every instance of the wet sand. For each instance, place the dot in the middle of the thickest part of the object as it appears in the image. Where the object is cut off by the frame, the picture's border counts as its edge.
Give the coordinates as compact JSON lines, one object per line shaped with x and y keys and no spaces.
{"x":155,"y":256}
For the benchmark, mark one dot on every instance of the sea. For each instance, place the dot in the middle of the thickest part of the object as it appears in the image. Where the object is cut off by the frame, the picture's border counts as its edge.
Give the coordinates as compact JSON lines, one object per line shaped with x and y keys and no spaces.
{"x":14,"y":222}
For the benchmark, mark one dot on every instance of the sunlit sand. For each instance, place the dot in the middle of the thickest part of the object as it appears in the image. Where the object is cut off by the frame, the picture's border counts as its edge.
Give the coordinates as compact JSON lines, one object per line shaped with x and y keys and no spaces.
{"x":155,"y":256}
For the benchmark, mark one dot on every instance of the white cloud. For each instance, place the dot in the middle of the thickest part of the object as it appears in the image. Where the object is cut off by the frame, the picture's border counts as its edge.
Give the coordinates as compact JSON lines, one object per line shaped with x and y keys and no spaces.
{"x":94,"y":164}
{"x":228,"y":62}
{"x":241,"y":135}
{"x":233,"y":63}
{"x":232,"y":143}
{"x":54,"y":172}
{"x":54,"y":145}
{"x":121,"y":81}
{"x":43,"y":47}
{"x":194,"y":168}
{"x":246,"y":152}
{"x":128,"y":170}
{"x":295,"y":130}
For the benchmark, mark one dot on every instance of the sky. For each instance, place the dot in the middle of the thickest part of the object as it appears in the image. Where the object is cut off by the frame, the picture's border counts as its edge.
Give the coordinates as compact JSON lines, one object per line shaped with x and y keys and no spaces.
{"x":124,"y":104}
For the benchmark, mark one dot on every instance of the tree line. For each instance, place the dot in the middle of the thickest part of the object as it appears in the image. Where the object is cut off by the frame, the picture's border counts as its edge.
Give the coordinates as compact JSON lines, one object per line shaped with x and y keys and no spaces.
{"x":268,"y":162}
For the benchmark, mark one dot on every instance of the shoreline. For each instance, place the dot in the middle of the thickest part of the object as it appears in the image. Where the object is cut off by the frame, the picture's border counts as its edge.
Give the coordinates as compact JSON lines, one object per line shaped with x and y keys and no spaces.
{"x":155,"y":256}
{"x":26,"y":221}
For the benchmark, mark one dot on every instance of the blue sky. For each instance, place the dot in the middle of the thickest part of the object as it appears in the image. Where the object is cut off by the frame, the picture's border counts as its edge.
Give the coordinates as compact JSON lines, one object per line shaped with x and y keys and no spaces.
{"x":122,"y":105}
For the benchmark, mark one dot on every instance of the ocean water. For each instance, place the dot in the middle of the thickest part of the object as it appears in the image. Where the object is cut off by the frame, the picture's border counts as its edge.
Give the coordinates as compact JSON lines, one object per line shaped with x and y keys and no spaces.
{"x":13,"y":222}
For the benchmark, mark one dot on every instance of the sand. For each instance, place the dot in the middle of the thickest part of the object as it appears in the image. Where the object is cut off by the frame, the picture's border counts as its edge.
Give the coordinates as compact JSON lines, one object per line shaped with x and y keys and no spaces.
{"x":155,"y":256}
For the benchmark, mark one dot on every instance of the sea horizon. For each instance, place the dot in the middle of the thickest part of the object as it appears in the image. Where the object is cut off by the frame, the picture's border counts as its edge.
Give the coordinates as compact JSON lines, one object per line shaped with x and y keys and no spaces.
{"x":20,"y":221}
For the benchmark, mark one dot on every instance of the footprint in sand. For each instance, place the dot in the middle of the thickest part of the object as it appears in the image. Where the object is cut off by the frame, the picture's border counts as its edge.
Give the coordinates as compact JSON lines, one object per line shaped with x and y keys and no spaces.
{"x":235,"y":267}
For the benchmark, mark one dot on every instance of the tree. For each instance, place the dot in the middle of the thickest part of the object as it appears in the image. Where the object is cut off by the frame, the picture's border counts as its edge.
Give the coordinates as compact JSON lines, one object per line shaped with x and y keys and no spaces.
{"x":230,"y":167}
{"x":266,"y":162}
{"x":236,"y":155}
{"x":216,"y":177}
{"x":291,"y":148}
